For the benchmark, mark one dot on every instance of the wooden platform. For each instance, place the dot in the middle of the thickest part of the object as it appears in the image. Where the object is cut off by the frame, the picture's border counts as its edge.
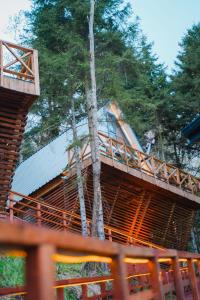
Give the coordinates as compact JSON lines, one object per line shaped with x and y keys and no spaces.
{"x":19,"y":87}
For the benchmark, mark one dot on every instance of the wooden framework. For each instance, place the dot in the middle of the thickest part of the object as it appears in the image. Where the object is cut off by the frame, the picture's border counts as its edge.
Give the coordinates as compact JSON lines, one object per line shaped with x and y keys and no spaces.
{"x":143,"y":202}
{"x":43,"y":248}
{"x":19,"y":87}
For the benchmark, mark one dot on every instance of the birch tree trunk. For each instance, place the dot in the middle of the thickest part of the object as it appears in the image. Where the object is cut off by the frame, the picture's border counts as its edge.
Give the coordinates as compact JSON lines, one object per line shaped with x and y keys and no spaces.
{"x":97,"y":214}
{"x":79,"y":173}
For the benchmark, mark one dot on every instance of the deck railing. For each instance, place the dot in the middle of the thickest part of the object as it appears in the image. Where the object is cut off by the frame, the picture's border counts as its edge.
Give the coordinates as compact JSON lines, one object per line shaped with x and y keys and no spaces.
{"x":165,"y":275}
{"x":19,"y":63}
{"x":40,"y":213}
{"x":145,"y":163}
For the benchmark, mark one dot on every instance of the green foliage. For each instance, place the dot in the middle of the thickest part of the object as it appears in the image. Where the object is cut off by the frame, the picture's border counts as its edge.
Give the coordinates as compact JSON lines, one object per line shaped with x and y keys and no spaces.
{"x":126,"y":70}
{"x":11,"y":271}
{"x":182,"y":103}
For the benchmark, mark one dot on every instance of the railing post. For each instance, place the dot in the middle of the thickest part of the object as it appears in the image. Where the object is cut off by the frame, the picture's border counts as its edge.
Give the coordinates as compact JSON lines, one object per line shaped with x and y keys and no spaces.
{"x":156,"y":279}
{"x":64,"y":221}
{"x":120,"y":283}
{"x":38,"y":215}
{"x":11,"y":212}
{"x":60,"y":293}
{"x":178,"y":279}
{"x":84,"y":292}
{"x":40,"y":272}
{"x":192,"y":276}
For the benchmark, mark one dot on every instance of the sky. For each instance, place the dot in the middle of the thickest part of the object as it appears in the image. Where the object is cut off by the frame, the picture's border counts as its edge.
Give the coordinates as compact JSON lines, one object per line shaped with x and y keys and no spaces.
{"x":164,"y":22}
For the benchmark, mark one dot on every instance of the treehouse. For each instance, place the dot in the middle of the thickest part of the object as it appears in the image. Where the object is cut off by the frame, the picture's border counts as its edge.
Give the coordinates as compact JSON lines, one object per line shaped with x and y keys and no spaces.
{"x":145,"y":200}
{"x":19,"y":87}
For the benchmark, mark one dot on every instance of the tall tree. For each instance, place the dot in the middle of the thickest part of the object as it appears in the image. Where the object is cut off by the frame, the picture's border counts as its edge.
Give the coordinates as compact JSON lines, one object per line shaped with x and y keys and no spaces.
{"x":97,"y":215}
{"x":126,"y":70}
{"x":183,"y":102}
{"x":78,"y":163}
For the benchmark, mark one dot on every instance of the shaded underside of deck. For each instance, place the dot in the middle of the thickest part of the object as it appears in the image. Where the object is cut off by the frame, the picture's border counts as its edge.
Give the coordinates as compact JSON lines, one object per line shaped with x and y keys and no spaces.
{"x":138,"y":207}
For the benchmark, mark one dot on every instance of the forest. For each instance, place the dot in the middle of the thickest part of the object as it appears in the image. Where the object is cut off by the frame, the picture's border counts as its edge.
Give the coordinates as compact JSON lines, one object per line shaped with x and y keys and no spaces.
{"x":127,"y":71}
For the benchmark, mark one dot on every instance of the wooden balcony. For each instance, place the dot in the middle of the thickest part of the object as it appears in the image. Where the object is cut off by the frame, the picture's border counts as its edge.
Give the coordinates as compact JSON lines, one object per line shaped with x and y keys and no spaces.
{"x":19,"y":69}
{"x":19,"y":87}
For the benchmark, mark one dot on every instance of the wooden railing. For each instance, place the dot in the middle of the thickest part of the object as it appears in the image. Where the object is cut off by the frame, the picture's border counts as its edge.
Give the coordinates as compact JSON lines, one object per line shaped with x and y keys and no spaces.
{"x":143,"y":162}
{"x":40,"y":213}
{"x":165,"y":275}
{"x":18,"y":62}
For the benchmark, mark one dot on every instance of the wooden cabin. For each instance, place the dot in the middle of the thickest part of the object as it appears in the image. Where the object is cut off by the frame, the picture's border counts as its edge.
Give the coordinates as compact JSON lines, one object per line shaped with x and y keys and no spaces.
{"x":146,"y":201}
{"x":19,"y":87}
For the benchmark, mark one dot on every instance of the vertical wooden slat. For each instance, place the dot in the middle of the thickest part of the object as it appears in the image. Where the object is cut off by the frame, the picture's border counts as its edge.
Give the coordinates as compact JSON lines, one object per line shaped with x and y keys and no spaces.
{"x":192,"y":275}
{"x":178,"y":279}
{"x":38,"y":214}
{"x":11,"y":212}
{"x":40,"y":272}
{"x":154,"y":268}
{"x":120,"y":284}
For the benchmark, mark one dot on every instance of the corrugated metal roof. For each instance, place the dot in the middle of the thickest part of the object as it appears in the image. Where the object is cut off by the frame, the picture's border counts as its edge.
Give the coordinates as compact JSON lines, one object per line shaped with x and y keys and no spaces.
{"x":50,"y":161}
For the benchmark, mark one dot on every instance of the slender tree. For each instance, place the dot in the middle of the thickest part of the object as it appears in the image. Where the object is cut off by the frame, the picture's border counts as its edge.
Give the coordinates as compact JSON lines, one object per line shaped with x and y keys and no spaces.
{"x":78,"y":162}
{"x":97,"y":215}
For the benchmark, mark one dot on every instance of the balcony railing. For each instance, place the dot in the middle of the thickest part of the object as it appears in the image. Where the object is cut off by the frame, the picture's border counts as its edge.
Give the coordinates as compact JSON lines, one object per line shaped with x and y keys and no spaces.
{"x":145,"y":163}
{"x":40,"y":213}
{"x":17,"y":62}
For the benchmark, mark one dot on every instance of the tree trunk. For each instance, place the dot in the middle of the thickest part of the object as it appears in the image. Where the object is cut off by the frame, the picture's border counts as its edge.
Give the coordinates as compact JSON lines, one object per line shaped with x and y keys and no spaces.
{"x":79,"y":173}
{"x":97,"y":215}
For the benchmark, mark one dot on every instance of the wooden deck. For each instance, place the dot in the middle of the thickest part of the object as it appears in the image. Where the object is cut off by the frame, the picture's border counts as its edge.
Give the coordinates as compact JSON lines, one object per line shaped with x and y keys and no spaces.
{"x":19,"y":87}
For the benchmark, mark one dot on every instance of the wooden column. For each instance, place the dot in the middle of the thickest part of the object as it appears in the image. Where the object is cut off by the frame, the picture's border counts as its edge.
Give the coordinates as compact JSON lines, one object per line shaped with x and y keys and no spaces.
{"x":120,"y":284}
{"x":40,"y":273}
{"x":178,"y":279}
{"x":192,"y":276}
{"x":154,"y":268}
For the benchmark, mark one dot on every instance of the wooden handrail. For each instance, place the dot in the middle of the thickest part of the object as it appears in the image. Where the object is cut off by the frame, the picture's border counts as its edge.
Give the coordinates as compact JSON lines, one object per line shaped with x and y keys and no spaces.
{"x":39,"y":207}
{"x":148,"y":164}
{"x":42,"y":247}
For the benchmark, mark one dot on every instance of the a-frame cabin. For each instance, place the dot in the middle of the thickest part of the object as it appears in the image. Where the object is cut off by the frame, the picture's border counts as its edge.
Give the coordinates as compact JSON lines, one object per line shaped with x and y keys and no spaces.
{"x":145,"y":200}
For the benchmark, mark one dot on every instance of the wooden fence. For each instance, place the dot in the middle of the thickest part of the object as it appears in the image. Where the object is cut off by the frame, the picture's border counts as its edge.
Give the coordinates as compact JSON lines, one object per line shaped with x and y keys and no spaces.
{"x":43,"y":248}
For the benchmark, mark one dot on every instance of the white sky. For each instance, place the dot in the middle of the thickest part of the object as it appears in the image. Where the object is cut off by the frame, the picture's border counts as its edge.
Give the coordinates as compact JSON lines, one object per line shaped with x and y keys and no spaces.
{"x":9,"y":8}
{"x":163,"y":21}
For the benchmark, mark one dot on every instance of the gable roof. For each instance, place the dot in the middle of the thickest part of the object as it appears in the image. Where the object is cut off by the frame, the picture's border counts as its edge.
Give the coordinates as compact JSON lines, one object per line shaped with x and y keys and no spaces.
{"x":192,"y":131}
{"x":50,"y":161}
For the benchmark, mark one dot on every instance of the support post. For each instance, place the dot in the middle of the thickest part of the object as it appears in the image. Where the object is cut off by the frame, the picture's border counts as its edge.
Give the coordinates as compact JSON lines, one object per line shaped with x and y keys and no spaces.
{"x":156,"y":280}
{"x":120,"y":283}
{"x":178,"y":279}
{"x":40,"y":272}
{"x":192,"y":276}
